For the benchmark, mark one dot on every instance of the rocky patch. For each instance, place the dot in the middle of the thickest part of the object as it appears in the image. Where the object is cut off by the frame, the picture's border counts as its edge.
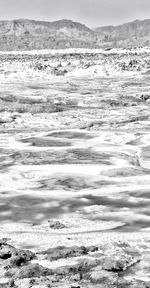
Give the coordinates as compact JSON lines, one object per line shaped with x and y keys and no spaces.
{"x":67,"y":252}
{"x":92,"y":268}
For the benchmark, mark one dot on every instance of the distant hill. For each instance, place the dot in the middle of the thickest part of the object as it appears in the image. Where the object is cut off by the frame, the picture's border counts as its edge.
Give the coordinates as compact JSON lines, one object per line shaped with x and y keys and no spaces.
{"x":24,"y":34}
{"x":128,"y":34}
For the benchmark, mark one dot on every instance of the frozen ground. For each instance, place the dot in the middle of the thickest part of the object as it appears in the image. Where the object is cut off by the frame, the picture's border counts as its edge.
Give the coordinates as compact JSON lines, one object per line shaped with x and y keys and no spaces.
{"x":74,"y":148}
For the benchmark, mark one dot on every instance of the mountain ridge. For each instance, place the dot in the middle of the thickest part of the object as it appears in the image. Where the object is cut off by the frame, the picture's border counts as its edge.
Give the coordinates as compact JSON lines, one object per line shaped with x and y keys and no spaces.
{"x":28,"y":34}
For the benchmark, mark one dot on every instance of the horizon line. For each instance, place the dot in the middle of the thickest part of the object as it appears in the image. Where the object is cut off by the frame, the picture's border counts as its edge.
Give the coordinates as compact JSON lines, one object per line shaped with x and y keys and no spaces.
{"x":75,"y":21}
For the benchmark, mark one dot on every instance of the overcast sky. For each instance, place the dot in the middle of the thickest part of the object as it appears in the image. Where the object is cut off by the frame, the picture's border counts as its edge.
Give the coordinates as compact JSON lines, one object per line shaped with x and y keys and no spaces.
{"x":90,"y":12}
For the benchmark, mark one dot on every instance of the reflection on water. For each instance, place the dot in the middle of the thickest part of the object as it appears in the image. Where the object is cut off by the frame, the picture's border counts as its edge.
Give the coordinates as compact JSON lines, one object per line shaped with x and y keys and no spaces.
{"x":101,"y":171}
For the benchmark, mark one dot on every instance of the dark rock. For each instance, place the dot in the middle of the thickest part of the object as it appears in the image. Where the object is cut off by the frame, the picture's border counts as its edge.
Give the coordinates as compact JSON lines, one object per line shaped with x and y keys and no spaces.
{"x":14,"y":257}
{"x":66,"y":252}
{"x":117,"y":263}
{"x":92,"y":249}
{"x":21,"y":257}
{"x":83,"y":267}
{"x":60,"y":71}
{"x":145,"y":97}
{"x":11,"y":283}
{"x":31,"y":271}
{"x":97,"y":275}
{"x":76,"y":272}
{"x":6,"y":251}
{"x":4,"y":240}
{"x":56,"y":225}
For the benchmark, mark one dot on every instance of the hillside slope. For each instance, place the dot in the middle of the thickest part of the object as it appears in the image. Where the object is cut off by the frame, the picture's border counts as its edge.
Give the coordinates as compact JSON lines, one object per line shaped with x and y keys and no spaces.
{"x":29,"y":34}
{"x":24,"y":34}
{"x":128,"y":34}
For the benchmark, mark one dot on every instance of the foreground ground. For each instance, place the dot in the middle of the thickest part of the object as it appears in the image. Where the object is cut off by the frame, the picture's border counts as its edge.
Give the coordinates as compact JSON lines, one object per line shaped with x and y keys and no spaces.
{"x":74,"y":170}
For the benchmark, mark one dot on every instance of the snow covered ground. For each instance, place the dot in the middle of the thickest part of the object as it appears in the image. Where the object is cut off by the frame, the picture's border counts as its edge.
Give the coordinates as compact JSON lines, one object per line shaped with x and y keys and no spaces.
{"x":74,"y":147}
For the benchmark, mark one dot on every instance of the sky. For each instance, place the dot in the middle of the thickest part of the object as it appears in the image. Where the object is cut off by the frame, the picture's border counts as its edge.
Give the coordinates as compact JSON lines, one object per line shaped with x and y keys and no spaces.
{"x":92,"y":13}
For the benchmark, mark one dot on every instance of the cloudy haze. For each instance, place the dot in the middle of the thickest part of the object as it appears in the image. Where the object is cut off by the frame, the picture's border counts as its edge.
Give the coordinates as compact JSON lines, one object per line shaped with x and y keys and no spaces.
{"x":91,"y":12}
